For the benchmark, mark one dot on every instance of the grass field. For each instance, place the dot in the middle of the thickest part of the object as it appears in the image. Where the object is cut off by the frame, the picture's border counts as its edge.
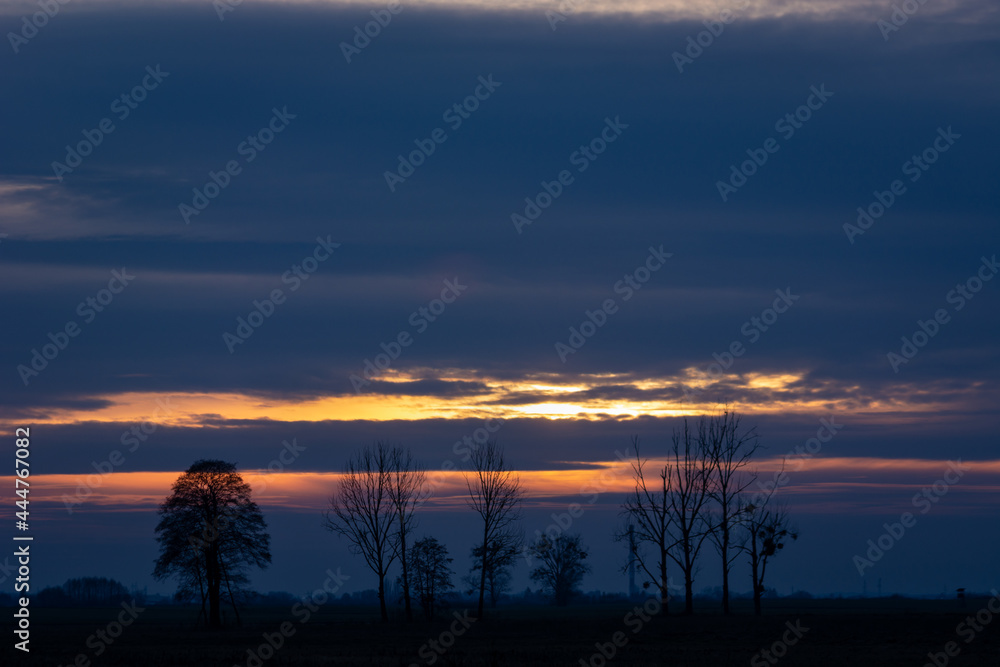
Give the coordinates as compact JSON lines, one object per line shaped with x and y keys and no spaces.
{"x":833,"y":633}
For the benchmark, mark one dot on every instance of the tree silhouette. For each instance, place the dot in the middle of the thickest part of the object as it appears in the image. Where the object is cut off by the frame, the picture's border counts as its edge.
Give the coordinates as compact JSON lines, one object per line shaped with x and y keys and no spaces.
{"x":211,"y":530}
{"x":767,"y":530}
{"x":430,"y":572}
{"x":562,"y":568}
{"x":499,"y":559}
{"x":87,"y":592}
{"x":494,"y":494}
{"x":362,"y":511}
{"x":729,"y":449}
{"x":647,"y":510}
{"x":406,"y":480}
{"x":689,"y":523}
{"x":190,"y":572}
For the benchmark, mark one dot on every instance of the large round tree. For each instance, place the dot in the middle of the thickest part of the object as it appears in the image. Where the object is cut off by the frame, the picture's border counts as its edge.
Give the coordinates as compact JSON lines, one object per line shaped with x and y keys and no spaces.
{"x":210,"y":532}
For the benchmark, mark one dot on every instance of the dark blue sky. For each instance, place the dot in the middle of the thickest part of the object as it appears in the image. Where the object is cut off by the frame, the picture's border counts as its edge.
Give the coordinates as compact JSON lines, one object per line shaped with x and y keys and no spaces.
{"x":492,"y":351}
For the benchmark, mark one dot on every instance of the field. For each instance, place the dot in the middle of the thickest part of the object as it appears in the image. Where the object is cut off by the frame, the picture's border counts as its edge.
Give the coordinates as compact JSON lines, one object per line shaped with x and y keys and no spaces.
{"x":832,"y":633}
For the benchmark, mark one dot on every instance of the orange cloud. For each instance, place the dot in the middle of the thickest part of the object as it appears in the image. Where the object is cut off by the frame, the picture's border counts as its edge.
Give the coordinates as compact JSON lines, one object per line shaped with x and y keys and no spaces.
{"x":552,"y":396}
{"x":822,"y":484}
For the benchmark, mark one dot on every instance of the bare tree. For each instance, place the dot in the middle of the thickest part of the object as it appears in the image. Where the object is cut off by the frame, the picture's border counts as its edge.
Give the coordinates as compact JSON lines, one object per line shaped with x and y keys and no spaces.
{"x":767,"y":530}
{"x":406,"y":480}
{"x":729,"y":448}
{"x":647,"y":510}
{"x":562,"y":568}
{"x":687,"y":504}
{"x":361,"y":510}
{"x":495,"y":495}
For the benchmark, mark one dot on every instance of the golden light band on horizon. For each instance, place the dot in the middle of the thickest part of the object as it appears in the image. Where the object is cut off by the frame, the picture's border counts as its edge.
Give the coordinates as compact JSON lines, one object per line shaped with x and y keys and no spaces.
{"x":546,"y":396}
{"x":446,"y":491}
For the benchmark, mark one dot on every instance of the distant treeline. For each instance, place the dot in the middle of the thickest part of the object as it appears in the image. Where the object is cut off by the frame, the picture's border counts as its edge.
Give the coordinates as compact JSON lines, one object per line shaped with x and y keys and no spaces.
{"x":56,"y":597}
{"x":87,"y":592}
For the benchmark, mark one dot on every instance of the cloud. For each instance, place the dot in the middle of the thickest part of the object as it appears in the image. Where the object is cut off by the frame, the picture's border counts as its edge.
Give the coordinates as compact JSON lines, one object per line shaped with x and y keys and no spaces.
{"x":324,"y":175}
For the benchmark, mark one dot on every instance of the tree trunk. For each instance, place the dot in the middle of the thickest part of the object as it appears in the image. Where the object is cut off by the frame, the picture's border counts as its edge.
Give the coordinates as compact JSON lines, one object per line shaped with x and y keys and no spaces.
{"x":214,"y":618}
{"x":214,"y":584}
{"x":754,"y":566}
{"x":482,"y":575}
{"x":381,"y":598}
{"x":232,"y":599}
{"x":725,"y":566}
{"x":688,"y":578}
{"x":762,"y":559}
{"x":491,"y":586}
{"x":202,"y":615}
{"x":725,"y":590}
{"x":688,"y":591}
{"x":664,"y":587}
{"x":406,"y":578}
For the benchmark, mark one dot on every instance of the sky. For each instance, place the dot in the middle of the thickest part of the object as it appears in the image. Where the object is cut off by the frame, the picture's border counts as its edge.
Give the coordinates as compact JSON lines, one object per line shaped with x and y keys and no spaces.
{"x":564,"y":224}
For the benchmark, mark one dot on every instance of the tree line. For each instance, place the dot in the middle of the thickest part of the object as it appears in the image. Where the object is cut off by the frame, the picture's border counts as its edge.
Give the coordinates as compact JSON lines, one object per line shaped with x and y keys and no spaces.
{"x":211,"y":531}
{"x":88,"y":592}
{"x":698,"y":495}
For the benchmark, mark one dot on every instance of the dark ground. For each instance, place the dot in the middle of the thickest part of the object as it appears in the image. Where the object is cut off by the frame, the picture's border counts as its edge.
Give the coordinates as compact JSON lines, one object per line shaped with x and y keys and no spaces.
{"x":840,"y":633}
